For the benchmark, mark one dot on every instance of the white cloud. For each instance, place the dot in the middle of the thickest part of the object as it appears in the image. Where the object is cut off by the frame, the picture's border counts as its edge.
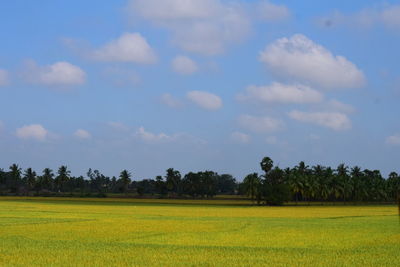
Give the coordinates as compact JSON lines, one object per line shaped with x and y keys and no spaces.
{"x":184,"y":65}
{"x":393,"y":140}
{"x":151,"y":137}
{"x":260,"y":124}
{"x":33,"y":131}
{"x":162,"y":138}
{"x":386,"y":15}
{"x":339,"y":106}
{"x":4,"y":80}
{"x":239,"y":137}
{"x":129,"y":47}
{"x":299,"y":58}
{"x":272,"y":12}
{"x":170,"y":101}
{"x":282,"y":93}
{"x":334,"y":120}
{"x":391,"y":16}
{"x":205,"y":100}
{"x":204,"y":27}
{"x":82,"y":134}
{"x":58,"y":74}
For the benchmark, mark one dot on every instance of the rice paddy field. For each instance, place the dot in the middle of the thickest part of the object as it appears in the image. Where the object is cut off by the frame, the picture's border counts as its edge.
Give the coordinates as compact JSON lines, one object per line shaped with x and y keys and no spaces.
{"x":122,"y":232}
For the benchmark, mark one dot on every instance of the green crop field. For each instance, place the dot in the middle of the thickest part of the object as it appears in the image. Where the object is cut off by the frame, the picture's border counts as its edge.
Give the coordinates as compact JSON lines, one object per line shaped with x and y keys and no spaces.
{"x":122,"y":232}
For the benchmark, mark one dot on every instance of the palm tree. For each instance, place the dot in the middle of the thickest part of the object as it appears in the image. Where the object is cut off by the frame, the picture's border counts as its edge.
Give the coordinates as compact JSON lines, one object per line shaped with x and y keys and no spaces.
{"x":15,"y":175}
{"x":266,"y":164}
{"x":46,"y":180}
{"x":125,"y":178}
{"x":30,"y":178}
{"x":62,"y":177}
{"x":343,"y":180}
{"x":251,"y":184}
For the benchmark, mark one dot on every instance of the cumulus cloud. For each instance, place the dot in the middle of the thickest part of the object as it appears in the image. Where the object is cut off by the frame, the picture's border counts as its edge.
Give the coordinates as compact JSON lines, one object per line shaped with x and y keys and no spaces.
{"x":4,"y":80}
{"x":205,"y":100}
{"x":151,"y":137}
{"x":58,"y":74}
{"x":333,"y":120}
{"x":339,"y":106}
{"x":271,"y":12}
{"x":386,"y":15}
{"x":240,"y":138}
{"x":260,"y":124}
{"x":170,"y":101}
{"x":393,"y":139}
{"x":160,"y":138}
{"x":82,"y":134}
{"x":391,"y":16}
{"x":33,"y":131}
{"x":282,"y":93}
{"x":129,"y":47}
{"x":299,"y":58}
{"x":204,"y":27}
{"x":184,"y":65}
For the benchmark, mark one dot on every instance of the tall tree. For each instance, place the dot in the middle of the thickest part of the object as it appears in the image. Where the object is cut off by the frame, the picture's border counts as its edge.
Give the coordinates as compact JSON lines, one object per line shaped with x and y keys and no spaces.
{"x":173,"y":181}
{"x":275,"y":189}
{"x":46,"y":180}
{"x":125,"y":178}
{"x":63,"y":175}
{"x":252,"y":184}
{"x":30,"y":178}
{"x":15,"y":177}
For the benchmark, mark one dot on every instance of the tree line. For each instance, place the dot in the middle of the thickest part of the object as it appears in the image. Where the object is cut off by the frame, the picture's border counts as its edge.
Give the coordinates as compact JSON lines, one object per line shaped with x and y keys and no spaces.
{"x":273,"y":187}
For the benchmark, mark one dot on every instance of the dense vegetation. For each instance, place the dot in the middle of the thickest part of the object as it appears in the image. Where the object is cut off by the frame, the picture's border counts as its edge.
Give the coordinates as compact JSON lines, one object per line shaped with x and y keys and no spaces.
{"x":274,"y":186}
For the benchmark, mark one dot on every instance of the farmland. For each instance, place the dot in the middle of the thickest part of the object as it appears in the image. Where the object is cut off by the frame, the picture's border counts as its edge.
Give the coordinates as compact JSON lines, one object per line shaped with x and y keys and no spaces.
{"x":118,"y":232}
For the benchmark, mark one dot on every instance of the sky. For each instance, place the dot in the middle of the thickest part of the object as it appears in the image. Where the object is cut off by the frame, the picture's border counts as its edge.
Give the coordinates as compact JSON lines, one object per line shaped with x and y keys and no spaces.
{"x":146,"y":85}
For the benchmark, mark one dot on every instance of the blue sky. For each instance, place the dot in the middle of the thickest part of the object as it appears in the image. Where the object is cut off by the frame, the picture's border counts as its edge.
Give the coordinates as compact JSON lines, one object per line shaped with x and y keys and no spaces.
{"x":147,"y":84}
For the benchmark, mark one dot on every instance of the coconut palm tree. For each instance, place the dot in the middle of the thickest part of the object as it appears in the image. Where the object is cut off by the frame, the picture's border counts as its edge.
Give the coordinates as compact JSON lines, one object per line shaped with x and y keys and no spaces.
{"x":252,"y":184}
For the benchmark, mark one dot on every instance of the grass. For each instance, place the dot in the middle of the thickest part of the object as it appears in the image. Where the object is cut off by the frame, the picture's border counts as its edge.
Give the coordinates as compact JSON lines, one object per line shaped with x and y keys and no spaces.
{"x":148,"y":232}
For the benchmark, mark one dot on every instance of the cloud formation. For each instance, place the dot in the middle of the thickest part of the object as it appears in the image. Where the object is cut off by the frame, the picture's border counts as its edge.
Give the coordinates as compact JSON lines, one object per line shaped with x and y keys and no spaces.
{"x":58,"y":74}
{"x":299,"y":58}
{"x":241,"y":138}
{"x":205,"y":100}
{"x":282,"y":93}
{"x":387,"y":15}
{"x":33,"y":131}
{"x":271,"y":12}
{"x":129,"y":47}
{"x":393,"y":139}
{"x":170,"y":101}
{"x":206,"y":27}
{"x":151,"y":137}
{"x":333,"y":120}
{"x":82,"y":134}
{"x":260,"y":124}
{"x":184,"y":65}
{"x":339,"y":106}
{"x":4,"y":80}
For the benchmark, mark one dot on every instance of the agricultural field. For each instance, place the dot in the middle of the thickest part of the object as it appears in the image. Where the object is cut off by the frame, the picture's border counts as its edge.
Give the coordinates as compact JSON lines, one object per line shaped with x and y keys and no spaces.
{"x":131,"y":232}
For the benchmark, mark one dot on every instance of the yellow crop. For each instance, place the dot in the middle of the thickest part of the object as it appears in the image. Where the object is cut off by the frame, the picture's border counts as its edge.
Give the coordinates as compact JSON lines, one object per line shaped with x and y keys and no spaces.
{"x":122,"y":232}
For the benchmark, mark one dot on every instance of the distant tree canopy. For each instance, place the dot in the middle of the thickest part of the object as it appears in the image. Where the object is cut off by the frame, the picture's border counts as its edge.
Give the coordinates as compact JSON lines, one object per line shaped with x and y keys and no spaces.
{"x":274,"y":187}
